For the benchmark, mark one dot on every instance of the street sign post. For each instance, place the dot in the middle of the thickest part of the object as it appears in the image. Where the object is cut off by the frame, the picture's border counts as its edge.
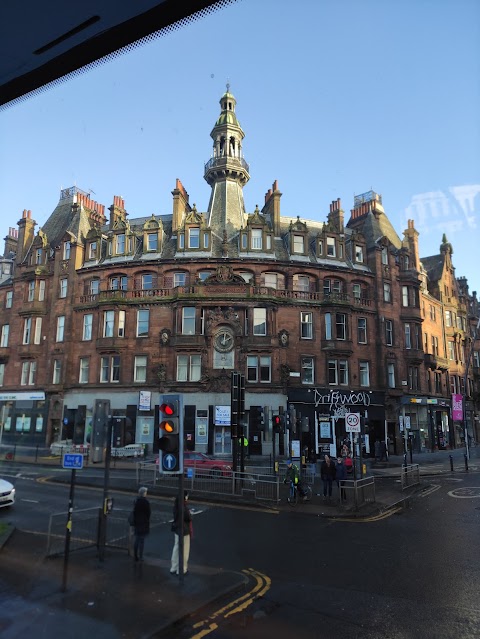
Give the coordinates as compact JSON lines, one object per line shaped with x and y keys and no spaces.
{"x":352,"y":422}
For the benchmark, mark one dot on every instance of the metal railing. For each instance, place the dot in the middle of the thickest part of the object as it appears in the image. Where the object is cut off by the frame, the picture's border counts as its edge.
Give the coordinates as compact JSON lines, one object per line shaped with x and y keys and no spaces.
{"x":85,"y":531}
{"x":360,"y":491}
{"x":410,"y":475}
{"x":249,"y":485}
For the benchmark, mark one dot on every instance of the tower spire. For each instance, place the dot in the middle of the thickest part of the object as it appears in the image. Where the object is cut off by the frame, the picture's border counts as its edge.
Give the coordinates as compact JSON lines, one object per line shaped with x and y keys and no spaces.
{"x":227,"y":172}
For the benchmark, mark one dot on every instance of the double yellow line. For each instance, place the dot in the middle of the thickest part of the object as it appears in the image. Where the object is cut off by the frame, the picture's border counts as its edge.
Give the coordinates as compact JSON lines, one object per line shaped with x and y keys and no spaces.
{"x":366,"y":520}
{"x":262,"y":585}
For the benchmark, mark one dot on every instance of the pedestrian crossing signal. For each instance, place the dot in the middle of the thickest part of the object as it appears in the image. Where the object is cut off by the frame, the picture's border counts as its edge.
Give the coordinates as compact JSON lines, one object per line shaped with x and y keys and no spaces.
{"x":278,"y":423}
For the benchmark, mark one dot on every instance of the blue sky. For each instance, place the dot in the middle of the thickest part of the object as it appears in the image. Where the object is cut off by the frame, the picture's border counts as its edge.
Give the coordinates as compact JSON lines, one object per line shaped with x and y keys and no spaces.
{"x":335,"y":97}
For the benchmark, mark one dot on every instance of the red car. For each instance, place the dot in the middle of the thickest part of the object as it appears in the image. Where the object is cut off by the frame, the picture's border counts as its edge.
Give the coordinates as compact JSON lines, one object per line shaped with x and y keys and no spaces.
{"x":200,"y":461}
{"x":206,"y":464}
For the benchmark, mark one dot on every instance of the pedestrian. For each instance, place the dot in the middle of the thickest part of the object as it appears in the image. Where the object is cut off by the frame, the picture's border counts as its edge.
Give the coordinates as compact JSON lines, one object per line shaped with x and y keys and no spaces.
{"x":349,"y":464}
{"x":187,"y":535}
{"x":327,"y":473}
{"x":383,"y":451}
{"x":340,"y":476}
{"x":141,"y":522}
{"x":313,"y":462}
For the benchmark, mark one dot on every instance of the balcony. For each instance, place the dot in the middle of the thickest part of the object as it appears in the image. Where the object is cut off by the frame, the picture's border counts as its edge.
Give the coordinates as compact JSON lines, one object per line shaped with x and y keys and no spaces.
{"x":414,"y":355}
{"x":435,"y":362}
{"x":224,"y":160}
{"x":229,"y":290}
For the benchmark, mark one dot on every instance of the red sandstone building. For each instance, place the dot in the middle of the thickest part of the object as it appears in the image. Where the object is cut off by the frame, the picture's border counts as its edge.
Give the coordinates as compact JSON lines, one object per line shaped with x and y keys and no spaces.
{"x":103,"y":312}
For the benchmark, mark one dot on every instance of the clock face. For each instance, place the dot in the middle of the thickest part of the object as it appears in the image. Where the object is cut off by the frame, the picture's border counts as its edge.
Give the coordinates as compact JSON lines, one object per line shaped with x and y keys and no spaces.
{"x":223,"y":341}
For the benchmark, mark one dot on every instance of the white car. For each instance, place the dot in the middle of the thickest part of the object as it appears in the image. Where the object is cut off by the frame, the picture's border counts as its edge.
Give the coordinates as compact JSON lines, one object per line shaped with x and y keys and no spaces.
{"x":7,"y":493}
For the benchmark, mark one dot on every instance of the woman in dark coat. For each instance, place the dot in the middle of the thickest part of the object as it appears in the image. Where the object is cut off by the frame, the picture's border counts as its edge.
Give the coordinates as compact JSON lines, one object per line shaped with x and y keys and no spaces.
{"x":327,"y":472}
{"x":141,"y":522}
{"x":187,"y":533}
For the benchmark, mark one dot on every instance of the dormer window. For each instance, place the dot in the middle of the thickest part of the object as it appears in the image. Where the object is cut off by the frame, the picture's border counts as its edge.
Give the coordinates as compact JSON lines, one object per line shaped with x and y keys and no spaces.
{"x":331,"y":252}
{"x":257,"y":238}
{"x":319,"y":248}
{"x":299,"y":244}
{"x":384,"y":255}
{"x":92,"y":250}
{"x":120,"y":244}
{"x":244,"y":241}
{"x":194,"y":237}
{"x":152,"y":241}
{"x":358,"y":253}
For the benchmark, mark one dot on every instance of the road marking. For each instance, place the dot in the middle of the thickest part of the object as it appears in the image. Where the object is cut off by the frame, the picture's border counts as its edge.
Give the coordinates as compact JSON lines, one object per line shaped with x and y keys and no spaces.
{"x":430,"y":490}
{"x":373,"y":518}
{"x":263,"y":584}
{"x":465,"y":492}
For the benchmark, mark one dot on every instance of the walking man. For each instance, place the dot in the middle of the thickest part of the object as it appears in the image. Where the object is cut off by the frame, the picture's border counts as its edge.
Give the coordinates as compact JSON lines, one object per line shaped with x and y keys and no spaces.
{"x":141,"y":522}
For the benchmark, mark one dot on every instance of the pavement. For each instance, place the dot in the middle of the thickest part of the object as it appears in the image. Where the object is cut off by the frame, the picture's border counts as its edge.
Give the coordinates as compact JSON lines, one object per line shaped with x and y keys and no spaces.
{"x":119,"y":598}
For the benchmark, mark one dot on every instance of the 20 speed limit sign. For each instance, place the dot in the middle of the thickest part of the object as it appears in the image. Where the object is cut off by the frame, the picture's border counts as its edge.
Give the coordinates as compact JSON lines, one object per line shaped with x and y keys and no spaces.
{"x":352,"y":422}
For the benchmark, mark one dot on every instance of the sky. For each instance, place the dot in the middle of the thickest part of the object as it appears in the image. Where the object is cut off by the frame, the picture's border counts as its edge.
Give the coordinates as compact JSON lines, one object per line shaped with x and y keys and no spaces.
{"x":336,"y":97}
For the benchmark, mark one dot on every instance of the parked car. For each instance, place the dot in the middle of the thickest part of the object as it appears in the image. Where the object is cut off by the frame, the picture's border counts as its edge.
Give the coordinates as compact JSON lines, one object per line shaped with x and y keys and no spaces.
{"x":7,"y":493}
{"x":200,"y":461}
{"x":206,"y":464}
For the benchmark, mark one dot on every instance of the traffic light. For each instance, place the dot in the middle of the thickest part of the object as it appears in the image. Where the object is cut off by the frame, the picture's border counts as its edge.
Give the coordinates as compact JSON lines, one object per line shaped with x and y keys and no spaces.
{"x":169,"y":434}
{"x":257,"y":417}
{"x":278,"y":423}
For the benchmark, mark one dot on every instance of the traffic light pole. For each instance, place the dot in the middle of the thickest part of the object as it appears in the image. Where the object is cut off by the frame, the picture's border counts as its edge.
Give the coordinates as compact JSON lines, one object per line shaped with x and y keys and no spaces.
{"x":106,"y":482}
{"x":181,"y":516}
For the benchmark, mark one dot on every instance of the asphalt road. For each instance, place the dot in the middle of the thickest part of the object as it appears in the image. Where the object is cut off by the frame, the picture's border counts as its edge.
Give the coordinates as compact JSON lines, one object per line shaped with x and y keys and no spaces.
{"x":414,"y":574}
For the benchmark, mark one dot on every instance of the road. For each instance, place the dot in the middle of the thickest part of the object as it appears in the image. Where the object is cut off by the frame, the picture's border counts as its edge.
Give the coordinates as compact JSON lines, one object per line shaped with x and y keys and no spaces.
{"x":413,"y":574}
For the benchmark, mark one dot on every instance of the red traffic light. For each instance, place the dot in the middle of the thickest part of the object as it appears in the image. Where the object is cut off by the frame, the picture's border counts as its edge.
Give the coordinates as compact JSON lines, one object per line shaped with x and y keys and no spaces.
{"x":167,"y":409}
{"x":277,"y":420}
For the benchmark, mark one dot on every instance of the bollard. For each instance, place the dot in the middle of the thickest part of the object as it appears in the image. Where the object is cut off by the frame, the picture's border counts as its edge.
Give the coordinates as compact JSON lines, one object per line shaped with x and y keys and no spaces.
{"x":466,"y":461}
{"x":451,"y":463}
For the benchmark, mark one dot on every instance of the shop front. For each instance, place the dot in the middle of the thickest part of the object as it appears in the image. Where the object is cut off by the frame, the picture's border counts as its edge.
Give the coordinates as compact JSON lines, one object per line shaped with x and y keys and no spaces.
{"x":23,"y":418}
{"x":426,"y":424}
{"x":322,"y":413}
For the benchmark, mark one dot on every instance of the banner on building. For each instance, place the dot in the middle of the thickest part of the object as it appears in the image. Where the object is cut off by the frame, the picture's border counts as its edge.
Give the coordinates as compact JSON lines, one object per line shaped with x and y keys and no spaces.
{"x":457,"y":407}
{"x":144,"y":400}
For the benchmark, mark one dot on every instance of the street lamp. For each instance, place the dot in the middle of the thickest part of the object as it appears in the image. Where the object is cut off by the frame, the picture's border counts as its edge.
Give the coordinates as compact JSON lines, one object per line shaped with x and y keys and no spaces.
{"x":465,"y":389}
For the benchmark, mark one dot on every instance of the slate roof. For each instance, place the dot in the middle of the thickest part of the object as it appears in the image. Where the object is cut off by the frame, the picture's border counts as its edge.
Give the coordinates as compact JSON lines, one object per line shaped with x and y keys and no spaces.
{"x":434,"y":266}
{"x":375,"y":227}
